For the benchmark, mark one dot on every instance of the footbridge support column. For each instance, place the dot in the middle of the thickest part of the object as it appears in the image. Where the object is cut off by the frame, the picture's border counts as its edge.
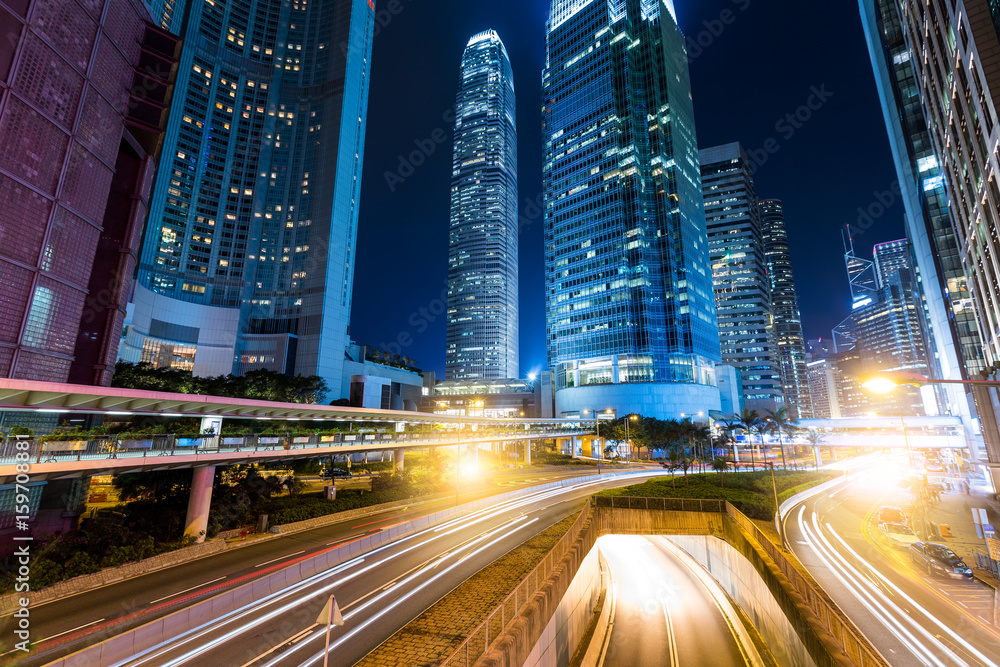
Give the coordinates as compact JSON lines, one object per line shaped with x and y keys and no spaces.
{"x":527,"y":452}
{"x":199,"y":503}
{"x":398,"y":457}
{"x":817,"y":456}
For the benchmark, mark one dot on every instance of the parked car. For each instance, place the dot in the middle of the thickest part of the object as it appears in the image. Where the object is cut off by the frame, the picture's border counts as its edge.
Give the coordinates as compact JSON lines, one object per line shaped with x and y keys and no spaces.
{"x":335,"y":473}
{"x":938,"y":559}
{"x":890,"y":514}
{"x":897,"y":534}
{"x":934,"y":465}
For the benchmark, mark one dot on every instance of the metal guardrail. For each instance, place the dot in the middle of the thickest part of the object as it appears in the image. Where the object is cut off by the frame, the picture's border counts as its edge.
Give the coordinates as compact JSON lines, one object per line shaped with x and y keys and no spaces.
{"x":478,"y":641}
{"x":987,"y":564}
{"x":665,"y":504}
{"x":113,"y":447}
{"x":854,"y":643}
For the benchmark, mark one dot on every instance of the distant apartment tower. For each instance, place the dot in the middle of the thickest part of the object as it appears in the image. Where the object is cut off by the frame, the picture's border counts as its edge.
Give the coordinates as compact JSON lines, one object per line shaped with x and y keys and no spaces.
{"x":248,"y":259}
{"x":82,"y":94}
{"x":822,"y":376}
{"x":791,"y":345}
{"x":482,"y":329}
{"x":739,"y":274}
{"x":630,"y":317}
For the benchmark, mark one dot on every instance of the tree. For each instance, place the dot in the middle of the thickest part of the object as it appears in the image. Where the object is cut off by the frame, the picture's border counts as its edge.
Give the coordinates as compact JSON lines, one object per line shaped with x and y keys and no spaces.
{"x":814,"y":437}
{"x":726,"y":437}
{"x":154,"y":485}
{"x":720,"y":465}
{"x":749,"y":421}
{"x":779,"y":422}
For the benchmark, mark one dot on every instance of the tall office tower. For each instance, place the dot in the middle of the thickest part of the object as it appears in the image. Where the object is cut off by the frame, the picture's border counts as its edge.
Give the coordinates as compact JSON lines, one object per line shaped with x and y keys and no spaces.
{"x":957,"y":80}
{"x":82,"y":91}
{"x":893,"y":257}
{"x":248,"y":258}
{"x":890,"y":330}
{"x":482,"y":259}
{"x":739,"y":273}
{"x":630,"y":316}
{"x":791,"y":344}
{"x":822,"y":376}
{"x":863,"y":281}
{"x":948,"y":252}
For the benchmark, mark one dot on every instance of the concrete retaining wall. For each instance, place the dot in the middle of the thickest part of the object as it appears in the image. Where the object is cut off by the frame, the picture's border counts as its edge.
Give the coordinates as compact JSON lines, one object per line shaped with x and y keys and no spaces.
{"x":741,"y":580}
{"x":565,"y":630}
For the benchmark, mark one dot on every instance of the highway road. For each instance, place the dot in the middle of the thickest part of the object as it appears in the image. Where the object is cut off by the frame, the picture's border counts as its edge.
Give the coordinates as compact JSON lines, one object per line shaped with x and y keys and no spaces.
{"x":664,"y":616}
{"x":912,"y":618}
{"x":378,"y":593}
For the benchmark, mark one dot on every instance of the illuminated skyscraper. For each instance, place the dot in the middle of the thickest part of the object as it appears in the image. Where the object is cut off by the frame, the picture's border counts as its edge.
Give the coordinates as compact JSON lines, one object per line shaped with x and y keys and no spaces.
{"x":790,"y":344}
{"x":739,"y":274}
{"x":630,"y":313}
{"x":482,"y":260}
{"x":248,"y":258}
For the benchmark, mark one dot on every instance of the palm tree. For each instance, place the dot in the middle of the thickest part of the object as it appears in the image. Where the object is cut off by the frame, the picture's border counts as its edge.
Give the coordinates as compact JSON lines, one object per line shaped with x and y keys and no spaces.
{"x":726,"y":436}
{"x":749,"y":420}
{"x":697,"y":433}
{"x":779,"y":421}
{"x":814,"y":438}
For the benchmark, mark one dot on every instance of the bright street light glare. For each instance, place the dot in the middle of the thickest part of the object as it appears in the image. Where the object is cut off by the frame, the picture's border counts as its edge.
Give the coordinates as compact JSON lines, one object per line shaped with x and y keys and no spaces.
{"x":880,"y":385}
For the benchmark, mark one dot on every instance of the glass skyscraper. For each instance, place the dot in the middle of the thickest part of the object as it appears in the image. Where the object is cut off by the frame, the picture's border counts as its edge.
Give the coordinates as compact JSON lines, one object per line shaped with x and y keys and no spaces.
{"x":631,"y":320}
{"x":790,"y":343}
{"x":739,"y":274}
{"x":482,"y":331}
{"x":248,"y":257}
{"x":934,"y":227}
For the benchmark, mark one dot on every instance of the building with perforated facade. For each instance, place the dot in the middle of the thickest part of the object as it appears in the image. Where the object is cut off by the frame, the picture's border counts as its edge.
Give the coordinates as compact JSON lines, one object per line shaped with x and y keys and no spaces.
{"x":739,"y":274}
{"x":83,"y":87}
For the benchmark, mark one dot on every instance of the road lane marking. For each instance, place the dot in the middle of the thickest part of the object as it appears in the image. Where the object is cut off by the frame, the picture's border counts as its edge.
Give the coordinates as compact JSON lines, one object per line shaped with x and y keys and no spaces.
{"x":291,"y":640}
{"x":68,"y":631}
{"x":274,"y":560}
{"x":186,"y":590}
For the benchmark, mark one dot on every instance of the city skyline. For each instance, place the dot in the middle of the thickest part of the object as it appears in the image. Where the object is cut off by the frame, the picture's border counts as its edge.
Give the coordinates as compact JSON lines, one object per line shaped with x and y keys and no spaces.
{"x":405,"y":170}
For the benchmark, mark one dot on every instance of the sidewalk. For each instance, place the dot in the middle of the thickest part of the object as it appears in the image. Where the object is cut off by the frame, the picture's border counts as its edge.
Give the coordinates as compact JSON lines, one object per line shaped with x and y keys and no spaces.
{"x":955,"y":509}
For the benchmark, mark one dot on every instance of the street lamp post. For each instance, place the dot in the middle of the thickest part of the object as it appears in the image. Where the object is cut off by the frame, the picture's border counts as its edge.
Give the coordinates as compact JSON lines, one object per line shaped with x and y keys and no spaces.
{"x":777,"y":510}
{"x":885,"y":382}
{"x":913,"y":475}
{"x":628,"y":441}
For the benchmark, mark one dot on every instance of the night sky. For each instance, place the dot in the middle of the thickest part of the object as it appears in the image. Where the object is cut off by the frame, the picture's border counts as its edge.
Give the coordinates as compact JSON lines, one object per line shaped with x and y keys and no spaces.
{"x":764,"y":64}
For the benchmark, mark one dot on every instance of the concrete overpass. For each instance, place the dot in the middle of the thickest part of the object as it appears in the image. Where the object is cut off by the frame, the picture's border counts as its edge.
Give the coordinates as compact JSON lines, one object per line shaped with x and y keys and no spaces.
{"x":34,"y":459}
